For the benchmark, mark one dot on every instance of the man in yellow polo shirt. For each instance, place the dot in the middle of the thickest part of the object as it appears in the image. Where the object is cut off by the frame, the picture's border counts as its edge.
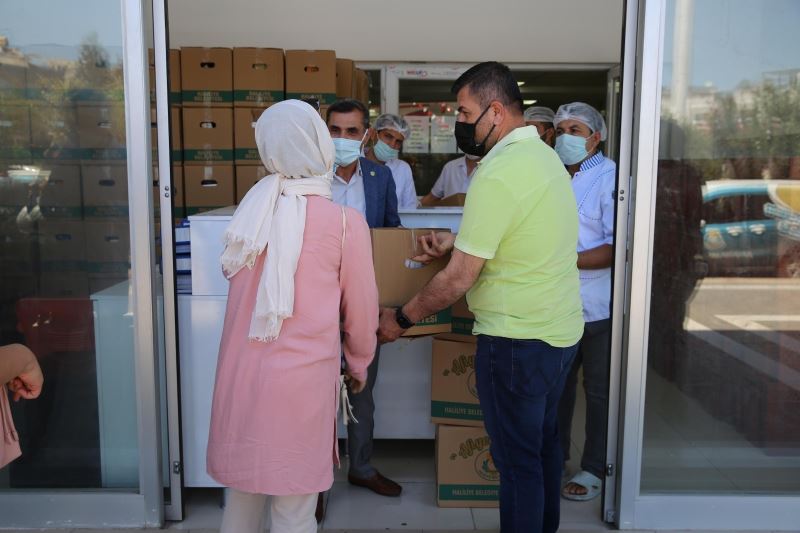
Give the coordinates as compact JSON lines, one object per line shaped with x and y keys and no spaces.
{"x":515,"y":259}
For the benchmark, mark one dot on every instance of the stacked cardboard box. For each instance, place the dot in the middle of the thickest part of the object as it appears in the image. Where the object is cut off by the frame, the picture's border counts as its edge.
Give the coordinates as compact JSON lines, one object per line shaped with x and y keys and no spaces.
{"x":207,"y":120}
{"x":456,"y":410}
{"x":258,"y":77}
{"x":311,"y":74}
{"x":351,"y":82}
{"x":258,"y":82}
{"x":465,"y":472}
{"x":246,"y":177}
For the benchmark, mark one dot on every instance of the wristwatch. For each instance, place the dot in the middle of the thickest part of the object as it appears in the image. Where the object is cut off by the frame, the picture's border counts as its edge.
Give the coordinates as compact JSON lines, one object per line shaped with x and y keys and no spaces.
{"x":402,"y":319}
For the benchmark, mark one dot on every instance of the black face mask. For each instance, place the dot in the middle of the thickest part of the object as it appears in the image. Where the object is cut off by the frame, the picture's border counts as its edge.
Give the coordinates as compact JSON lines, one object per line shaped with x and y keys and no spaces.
{"x":465,"y":137}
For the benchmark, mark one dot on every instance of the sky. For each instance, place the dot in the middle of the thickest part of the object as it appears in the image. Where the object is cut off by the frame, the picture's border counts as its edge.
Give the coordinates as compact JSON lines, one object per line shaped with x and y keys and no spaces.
{"x":737,"y":40}
{"x":66,"y":22}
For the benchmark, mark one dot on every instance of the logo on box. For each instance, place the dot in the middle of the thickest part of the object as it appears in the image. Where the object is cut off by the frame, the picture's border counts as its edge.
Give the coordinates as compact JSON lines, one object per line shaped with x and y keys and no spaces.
{"x":484,"y":467}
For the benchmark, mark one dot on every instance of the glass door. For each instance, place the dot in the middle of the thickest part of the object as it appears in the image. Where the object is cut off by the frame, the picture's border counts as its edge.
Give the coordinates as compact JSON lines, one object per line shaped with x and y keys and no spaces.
{"x":76,"y":282}
{"x":711,"y":417}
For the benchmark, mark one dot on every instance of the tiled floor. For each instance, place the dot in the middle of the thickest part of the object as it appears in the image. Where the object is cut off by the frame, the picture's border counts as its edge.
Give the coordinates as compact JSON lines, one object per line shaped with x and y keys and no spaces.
{"x":411,"y":463}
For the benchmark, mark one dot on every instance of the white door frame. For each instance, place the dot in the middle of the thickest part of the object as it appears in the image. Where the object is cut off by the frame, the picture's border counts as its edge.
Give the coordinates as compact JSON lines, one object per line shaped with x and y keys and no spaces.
{"x":637,"y":511}
{"x":174,"y":509}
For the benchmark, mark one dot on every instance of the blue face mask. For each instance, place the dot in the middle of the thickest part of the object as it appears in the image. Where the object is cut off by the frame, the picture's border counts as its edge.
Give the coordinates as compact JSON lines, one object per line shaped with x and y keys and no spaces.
{"x":384,"y":152}
{"x":571,"y":148}
{"x":347,"y":150}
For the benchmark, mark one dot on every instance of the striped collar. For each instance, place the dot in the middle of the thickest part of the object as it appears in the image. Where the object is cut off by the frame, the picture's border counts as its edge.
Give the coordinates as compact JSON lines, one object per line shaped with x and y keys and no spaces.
{"x":592,"y":162}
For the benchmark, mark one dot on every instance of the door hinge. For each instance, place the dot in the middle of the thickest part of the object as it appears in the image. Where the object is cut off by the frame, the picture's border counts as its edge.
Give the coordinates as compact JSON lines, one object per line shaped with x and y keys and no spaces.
{"x":609,"y":470}
{"x":177,"y":467}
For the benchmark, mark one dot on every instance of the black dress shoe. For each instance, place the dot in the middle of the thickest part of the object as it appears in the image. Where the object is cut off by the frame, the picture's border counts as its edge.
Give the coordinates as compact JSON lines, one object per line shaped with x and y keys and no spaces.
{"x":377,"y":484}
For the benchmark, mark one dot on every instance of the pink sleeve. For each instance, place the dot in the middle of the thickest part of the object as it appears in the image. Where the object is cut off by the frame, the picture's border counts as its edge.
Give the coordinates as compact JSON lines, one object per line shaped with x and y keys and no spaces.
{"x":9,"y":445}
{"x":359,"y":309}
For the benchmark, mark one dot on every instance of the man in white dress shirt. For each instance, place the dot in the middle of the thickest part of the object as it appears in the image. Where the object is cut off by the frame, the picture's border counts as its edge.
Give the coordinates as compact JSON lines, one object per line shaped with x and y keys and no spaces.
{"x":455,"y":178}
{"x":388,"y":135}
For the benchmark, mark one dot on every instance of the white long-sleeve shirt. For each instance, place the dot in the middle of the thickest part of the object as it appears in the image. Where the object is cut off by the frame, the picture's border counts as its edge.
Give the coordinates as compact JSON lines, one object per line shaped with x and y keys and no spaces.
{"x":403,"y":183}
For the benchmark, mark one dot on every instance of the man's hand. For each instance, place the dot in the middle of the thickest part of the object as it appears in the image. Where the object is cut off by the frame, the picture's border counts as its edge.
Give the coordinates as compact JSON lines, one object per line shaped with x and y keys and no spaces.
{"x":434,"y":245}
{"x":355,"y":385}
{"x":388,"y":330}
{"x":28,"y":384}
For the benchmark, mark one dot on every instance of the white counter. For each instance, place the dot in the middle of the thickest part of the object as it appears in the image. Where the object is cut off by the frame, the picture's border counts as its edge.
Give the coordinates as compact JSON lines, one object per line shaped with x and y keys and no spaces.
{"x":116,"y":387}
{"x":208,"y":228}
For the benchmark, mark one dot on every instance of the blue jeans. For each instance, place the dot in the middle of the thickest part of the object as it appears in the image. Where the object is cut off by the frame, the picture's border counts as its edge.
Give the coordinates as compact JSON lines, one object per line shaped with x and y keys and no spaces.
{"x":519,"y":386}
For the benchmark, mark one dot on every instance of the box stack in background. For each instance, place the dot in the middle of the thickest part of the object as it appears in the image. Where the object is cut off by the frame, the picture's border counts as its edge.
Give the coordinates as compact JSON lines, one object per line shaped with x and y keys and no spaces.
{"x":207,"y":89}
{"x":311,"y":74}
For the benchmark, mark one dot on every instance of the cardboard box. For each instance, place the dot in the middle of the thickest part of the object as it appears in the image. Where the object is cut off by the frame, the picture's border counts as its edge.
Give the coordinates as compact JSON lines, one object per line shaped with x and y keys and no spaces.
{"x":362,"y":87}
{"x":108,"y":246}
{"x":465,"y":472}
{"x":207,"y":77}
{"x":311,"y":74}
{"x":54,"y":132}
{"x":258,"y":77}
{"x":345,"y":78}
{"x":176,"y":134}
{"x":151,"y":78}
{"x":207,"y":136}
{"x":454,"y":393}
{"x":454,"y":200}
{"x":101,"y":131}
{"x":244,"y":139}
{"x":463,"y":319}
{"x":208,"y":187}
{"x":175,"y":84}
{"x":397,"y":282}
{"x":246,"y":177}
{"x":65,"y":285}
{"x":15,"y":132}
{"x":61,"y":197}
{"x":62,"y":245}
{"x":105,"y":191}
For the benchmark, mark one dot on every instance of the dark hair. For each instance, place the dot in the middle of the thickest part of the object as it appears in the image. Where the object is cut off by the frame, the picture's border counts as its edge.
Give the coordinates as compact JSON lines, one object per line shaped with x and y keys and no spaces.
{"x":349,"y":105}
{"x":491,"y":81}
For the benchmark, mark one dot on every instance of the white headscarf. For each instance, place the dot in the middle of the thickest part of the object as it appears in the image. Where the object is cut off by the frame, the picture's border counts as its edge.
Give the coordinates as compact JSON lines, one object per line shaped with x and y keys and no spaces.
{"x":297,"y":151}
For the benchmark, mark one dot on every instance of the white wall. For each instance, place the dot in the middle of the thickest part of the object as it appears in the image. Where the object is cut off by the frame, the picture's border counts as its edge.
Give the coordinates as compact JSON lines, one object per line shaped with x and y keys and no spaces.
{"x":535,"y":31}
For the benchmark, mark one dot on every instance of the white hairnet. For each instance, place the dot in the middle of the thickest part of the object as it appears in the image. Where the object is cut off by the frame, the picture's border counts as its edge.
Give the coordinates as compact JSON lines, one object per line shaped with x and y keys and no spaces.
{"x":539,"y":114}
{"x":388,"y":121}
{"x":582,"y":113}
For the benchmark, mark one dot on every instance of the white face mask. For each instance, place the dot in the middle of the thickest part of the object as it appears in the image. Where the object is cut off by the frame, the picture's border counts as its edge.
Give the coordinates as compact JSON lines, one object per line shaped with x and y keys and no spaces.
{"x":571,"y":148}
{"x":347,"y":150}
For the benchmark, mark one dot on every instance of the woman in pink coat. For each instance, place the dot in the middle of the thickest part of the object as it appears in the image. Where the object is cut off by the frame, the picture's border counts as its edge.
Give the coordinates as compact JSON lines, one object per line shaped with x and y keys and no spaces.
{"x":301,"y":280}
